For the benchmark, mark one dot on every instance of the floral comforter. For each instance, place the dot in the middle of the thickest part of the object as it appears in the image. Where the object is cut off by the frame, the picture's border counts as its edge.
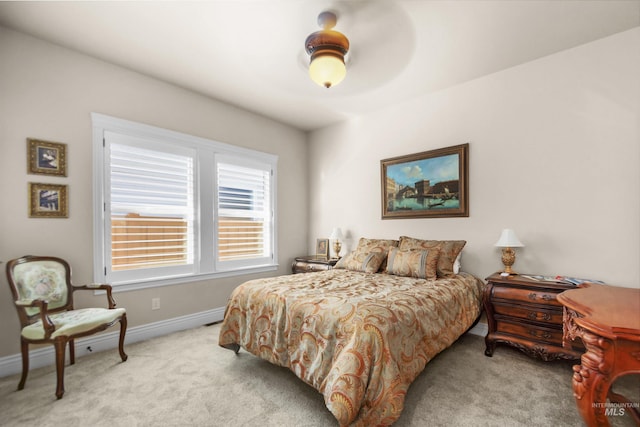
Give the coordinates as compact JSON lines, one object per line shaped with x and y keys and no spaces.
{"x":358,"y":338}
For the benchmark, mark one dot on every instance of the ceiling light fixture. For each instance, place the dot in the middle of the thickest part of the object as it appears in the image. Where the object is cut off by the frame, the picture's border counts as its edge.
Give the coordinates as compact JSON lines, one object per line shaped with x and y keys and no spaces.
{"x":327,"y":48}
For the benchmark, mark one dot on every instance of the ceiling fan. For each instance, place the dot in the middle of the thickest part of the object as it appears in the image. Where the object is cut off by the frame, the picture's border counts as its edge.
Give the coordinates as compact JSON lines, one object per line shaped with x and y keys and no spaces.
{"x":374,"y":43}
{"x":327,"y":49}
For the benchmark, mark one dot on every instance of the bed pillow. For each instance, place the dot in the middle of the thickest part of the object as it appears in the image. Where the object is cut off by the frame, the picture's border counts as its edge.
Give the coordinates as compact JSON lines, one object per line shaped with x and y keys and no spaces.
{"x":368,"y":262}
{"x":413,"y":263}
{"x":377,"y":245}
{"x":449,"y":251}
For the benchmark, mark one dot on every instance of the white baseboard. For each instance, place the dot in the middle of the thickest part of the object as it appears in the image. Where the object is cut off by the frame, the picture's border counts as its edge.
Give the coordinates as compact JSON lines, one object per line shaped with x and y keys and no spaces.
{"x":480,"y":329}
{"x":44,"y":356}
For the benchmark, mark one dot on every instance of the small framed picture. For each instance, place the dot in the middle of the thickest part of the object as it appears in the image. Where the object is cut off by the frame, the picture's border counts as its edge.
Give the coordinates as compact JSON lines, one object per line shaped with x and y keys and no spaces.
{"x":46,"y":158}
{"x":47,"y":200}
{"x":322,"y":248}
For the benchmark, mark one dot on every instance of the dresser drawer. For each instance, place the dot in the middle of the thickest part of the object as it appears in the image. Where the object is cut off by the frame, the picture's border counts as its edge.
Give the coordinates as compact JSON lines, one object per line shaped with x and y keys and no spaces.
{"x":304,"y":266}
{"x":310,"y":267}
{"x":530,"y":332}
{"x":531,"y":313}
{"x":526,"y":295}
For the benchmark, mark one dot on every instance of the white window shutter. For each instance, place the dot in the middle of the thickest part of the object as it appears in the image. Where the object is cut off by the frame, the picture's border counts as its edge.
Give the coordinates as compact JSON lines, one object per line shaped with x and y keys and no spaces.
{"x":244,"y":219}
{"x":151,"y":207}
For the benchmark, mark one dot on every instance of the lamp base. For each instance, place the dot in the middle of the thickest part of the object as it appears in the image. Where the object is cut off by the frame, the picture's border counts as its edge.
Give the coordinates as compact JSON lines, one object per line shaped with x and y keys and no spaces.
{"x":508,"y":258}
{"x":337,"y":246}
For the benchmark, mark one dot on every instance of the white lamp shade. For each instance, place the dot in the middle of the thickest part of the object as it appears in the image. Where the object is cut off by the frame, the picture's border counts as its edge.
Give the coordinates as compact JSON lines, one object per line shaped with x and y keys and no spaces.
{"x":508,"y":239}
{"x":336,"y":234}
{"x":327,"y":70}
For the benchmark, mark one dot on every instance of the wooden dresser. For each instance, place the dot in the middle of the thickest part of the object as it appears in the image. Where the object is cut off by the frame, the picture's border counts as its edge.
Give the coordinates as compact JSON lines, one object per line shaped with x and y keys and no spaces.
{"x":311,"y":263}
{"x":526,"y":314}
{"x":607,"y":320}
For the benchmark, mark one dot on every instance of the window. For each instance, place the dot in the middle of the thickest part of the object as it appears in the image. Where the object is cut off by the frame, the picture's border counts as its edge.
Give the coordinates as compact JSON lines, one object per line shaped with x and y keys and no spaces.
{"x":171,"y":207}
{"x":243,"y":229}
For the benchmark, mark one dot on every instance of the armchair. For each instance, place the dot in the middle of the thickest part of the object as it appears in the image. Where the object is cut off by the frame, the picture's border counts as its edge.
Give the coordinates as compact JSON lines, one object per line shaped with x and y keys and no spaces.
{"x":43,"y":296}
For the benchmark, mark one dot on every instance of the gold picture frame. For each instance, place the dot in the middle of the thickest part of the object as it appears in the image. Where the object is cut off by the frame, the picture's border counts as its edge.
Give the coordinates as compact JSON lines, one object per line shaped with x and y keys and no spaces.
{"x":46,"y":158}
{"x":431,"y":184}
{"x":48,"y":200}
{"x":322,"y":248}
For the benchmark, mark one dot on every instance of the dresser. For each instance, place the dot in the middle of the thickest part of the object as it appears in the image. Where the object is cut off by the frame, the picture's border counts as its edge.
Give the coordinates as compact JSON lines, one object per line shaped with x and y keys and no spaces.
{"x":311,"y":263}
{"x":526,"y":314}
{"x":607,"y":320}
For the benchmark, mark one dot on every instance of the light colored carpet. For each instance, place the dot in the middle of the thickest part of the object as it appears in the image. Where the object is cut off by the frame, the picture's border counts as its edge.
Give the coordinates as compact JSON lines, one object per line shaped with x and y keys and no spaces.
{"x":186,"y":379}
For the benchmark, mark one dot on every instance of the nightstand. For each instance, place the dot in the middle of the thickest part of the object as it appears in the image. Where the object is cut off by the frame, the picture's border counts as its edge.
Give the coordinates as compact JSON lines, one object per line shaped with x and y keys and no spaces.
{"x":311,"y":263}
{"x":524,"y":313}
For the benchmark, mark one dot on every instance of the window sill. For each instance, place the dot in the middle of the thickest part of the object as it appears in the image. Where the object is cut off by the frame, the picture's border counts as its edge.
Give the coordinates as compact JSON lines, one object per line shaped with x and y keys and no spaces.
{"x":177,"y":280}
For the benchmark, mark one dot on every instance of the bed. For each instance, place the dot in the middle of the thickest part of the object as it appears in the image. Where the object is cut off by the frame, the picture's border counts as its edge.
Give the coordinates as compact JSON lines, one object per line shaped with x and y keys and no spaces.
{"x":363,"y":331}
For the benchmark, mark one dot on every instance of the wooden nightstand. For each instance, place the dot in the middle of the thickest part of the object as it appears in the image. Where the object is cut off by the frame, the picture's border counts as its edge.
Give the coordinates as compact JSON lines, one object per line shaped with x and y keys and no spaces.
{"x":311,"y":263}
{"x":525,"y":314}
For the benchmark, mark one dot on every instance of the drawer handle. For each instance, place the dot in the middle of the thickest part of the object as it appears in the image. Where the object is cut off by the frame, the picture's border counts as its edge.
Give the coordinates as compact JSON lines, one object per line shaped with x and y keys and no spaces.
{"x":532,"y":296}
{"x":543,"y":334}
{"x":539,"y":316}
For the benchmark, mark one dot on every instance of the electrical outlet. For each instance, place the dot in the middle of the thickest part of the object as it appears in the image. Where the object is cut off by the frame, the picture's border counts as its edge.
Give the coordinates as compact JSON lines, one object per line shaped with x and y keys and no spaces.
{"x":155,"y":303}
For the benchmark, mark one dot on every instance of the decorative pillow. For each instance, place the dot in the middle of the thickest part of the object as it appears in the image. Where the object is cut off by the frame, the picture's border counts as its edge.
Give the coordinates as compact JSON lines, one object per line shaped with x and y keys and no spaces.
{"x":362,"y":261}
{"x":342,"y":262}
{"x":413,"y":263}
{"x":377,"y":245}
{"x":449,"y":251}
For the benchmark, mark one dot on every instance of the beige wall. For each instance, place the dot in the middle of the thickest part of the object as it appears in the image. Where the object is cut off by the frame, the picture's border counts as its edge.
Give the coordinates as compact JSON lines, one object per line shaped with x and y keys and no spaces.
{"x":554,"y":150}
{"x":554,"y":154}
{"x":48,"y":92}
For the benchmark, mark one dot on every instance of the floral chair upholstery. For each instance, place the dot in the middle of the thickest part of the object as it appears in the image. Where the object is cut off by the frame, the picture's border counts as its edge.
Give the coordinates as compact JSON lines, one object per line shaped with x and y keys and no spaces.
{"x":43,"y":295}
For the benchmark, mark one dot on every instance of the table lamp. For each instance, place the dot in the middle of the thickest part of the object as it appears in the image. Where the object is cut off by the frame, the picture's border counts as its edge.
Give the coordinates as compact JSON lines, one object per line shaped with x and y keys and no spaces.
{"x":507,"y":241}
{"x":336,"y":235}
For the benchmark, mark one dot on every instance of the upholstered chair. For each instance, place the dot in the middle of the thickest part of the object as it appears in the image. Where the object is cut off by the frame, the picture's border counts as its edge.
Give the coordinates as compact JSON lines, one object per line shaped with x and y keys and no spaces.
{"x":43,"y":295}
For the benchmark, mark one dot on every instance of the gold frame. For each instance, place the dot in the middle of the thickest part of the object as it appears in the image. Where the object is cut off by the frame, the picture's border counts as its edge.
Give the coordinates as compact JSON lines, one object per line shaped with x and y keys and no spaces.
{"x":38,"y":164}
{"x":420,"y":195}
{"x":36,"y":208}
{"x":322,"y":248}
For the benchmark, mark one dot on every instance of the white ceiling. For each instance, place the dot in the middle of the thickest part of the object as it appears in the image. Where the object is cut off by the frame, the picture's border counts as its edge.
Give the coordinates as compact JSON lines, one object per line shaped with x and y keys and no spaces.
{"x":250,"y":53}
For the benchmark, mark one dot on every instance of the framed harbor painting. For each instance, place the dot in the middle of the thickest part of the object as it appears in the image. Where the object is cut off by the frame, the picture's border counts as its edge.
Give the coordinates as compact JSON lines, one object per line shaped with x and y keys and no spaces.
{"x":431,"y":184}
{"x":46,"y":158}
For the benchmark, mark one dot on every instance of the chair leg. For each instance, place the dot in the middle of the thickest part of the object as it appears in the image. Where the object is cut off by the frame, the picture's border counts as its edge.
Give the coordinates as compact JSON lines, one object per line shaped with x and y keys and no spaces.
{"x":123,"y":331}
{"x":60,"y":345}
{"x":72,"y":352}
{"x":24,"y":348}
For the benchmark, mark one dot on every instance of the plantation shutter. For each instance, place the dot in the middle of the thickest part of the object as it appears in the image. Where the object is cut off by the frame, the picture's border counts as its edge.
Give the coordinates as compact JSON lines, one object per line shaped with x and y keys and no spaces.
{"x":244,"y":220}
{"x":151,"y":207}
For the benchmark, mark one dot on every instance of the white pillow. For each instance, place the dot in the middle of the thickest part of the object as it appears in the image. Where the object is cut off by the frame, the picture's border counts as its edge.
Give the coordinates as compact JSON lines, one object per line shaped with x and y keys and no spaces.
{"x":456,"y":264}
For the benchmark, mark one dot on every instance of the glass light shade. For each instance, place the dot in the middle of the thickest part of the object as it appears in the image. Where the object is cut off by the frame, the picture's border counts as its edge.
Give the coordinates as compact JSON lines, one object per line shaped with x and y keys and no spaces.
{"x":327,"y":70}
{"x":508,"y":239}
{"x":336,"y":234}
